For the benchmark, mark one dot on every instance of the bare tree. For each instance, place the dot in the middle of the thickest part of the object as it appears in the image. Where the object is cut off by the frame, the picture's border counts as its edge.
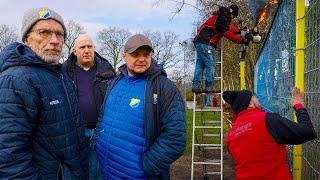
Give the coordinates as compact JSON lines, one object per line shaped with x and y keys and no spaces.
{"x":111,"y":41}
{"x":180,"y":4}
{"x":165,"y":46}
{"x":74,"y":29}
{"x":7,"y":35}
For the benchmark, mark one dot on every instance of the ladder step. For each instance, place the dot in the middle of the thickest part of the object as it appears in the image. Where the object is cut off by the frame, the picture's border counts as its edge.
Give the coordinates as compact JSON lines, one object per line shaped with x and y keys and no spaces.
{"x":209,"y":162}
{"x":213,"y":93}
{"x":204,"y":94}
{"x":208,"y":145}
{"x":217,"y":78}
{"x":212,"y":173}
{"x":211,"y":135}
{"x":207,"y":127}
{"x":211,"y":122}
{"x":213,"y":160}
{"x":212,"y":148}
{"x":209,"y":109}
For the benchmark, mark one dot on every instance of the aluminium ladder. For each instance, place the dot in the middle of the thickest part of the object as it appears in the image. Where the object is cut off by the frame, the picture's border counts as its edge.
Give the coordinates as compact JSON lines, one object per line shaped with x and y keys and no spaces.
{"x":207,"y":132}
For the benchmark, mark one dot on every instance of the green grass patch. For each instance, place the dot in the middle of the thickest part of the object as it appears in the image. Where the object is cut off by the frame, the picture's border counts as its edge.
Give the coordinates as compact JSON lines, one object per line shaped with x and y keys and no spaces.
{"x":200,"y":117}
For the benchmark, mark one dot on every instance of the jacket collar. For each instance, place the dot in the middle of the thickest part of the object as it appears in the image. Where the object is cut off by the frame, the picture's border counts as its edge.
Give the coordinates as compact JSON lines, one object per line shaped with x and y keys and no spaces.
{"x":19,"y":54}
{"x":248,"y":110}
{"x":153,"y":71}
{"x":101,"y":63}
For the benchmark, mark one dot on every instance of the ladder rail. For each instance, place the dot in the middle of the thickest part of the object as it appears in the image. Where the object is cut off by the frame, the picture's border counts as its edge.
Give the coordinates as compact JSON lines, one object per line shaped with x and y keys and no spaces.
{"x":204,"y":126}
{"x":221,"y":112}
{"x":193,"y":133}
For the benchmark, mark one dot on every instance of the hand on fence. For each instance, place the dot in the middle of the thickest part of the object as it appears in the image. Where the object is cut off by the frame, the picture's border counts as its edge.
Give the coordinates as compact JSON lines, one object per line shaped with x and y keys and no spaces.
{"x":297,"y":96}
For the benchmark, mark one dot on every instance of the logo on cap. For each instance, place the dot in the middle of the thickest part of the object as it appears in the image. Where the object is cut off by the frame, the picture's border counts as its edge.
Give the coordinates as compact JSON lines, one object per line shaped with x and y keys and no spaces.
{"x":44,"y":13}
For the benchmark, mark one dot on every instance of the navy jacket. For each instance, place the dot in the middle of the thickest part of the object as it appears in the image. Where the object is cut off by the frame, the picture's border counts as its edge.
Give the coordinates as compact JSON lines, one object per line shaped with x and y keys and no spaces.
{"x":165,"y":122}
{"x":41,"y":133}
{"x":104,"y":73}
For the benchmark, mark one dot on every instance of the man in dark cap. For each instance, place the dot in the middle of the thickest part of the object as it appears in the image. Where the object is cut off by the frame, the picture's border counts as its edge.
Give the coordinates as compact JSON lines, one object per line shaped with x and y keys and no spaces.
{"x":257,"y":138}
{"x":142,"y":129}
{"x":41,"y":134}
{"x":207,"y":40}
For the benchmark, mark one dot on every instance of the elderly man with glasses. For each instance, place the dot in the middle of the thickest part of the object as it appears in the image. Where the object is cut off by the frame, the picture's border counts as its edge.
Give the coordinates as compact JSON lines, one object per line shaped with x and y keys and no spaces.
{"x":41,"y":134}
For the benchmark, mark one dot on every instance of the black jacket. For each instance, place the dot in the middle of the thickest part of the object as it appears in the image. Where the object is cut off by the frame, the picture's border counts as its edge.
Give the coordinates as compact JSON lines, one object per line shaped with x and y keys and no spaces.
{"x":285,"y":131}
{"x":105,"y":72}
{"x":215,"y":27}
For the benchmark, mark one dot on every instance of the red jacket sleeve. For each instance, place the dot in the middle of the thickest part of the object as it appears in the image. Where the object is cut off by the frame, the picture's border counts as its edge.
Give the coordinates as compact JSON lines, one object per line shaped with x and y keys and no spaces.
{"x":233,"y":34}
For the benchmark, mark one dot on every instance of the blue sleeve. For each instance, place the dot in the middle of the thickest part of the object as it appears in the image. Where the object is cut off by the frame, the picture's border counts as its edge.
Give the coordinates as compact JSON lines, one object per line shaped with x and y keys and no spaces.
{"x":18,"y":110}
{"x":170,"y":145}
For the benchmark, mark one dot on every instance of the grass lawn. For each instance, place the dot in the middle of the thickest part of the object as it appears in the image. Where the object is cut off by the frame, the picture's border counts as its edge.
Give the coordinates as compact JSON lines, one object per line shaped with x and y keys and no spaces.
{"x":199,"y":132}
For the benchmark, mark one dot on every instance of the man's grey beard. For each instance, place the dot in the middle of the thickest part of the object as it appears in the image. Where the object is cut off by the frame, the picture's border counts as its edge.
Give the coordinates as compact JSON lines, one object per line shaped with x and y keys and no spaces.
{"x":50,"y":59}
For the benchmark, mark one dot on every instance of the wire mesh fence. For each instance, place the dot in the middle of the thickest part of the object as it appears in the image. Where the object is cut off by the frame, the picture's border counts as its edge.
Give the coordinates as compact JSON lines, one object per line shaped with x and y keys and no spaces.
{"x":311,"y":150}
{"x":274,"y":71}
{"x":275,"y":74}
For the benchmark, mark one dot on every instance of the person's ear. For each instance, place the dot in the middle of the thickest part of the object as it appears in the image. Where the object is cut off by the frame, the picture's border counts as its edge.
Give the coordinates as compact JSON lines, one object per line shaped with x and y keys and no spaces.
{"x":26,"y":39}
{"x":251,"y":104}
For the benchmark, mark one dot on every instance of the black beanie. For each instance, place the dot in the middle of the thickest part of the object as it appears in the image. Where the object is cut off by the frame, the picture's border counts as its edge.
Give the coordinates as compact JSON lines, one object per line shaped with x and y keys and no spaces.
{"x":238,"y":100}
{"x":234,"y":10}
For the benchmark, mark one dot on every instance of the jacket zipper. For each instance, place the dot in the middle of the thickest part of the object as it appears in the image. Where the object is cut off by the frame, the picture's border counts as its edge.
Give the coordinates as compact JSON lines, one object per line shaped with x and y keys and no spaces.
{"x":96,"y":129}
{"x":146,"y":123}
{"x":60,"y":170}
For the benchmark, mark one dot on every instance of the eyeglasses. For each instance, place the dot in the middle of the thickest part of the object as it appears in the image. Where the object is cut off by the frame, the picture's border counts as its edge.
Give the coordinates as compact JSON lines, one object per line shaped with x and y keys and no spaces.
{"x":46,"y":33}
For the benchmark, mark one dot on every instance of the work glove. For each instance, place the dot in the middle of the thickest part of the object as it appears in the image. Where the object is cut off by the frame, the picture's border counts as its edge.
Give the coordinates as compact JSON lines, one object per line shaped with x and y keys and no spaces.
{"x":247,"y":38}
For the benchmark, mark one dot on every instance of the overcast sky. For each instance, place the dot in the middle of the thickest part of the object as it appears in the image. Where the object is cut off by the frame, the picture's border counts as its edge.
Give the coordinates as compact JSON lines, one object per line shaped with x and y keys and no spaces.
{"x":134,"y":15}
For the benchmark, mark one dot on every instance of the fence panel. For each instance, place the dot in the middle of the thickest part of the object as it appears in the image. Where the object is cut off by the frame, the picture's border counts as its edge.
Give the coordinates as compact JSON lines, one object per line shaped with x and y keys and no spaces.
{"x":311,"y":150}
{"x":275,"y":74}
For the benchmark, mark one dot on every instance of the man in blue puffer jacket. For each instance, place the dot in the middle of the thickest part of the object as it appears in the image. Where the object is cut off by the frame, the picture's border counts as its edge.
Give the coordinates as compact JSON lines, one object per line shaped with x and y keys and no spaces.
{"x":142,"y":128}
{"x":41,"y":134}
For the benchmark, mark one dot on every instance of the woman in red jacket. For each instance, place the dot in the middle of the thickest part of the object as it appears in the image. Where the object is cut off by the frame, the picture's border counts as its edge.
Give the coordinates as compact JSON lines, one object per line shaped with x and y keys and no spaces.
{"x":257,"y":139}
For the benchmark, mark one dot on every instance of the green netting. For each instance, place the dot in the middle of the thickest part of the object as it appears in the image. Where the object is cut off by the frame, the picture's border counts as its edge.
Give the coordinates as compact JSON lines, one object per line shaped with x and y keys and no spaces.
{"x":275,"y":74}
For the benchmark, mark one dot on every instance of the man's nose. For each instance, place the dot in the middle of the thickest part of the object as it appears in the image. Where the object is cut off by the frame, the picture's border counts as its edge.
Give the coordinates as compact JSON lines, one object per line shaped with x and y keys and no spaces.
{"x":141,"y":58}
{"x":54,"y":39}
{"x":86,"y":49}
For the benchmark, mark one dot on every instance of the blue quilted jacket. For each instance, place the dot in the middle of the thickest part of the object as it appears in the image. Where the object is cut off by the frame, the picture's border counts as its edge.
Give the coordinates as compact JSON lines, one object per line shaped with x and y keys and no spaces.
{"x":41,"y":133}
{"x":164,"y":125}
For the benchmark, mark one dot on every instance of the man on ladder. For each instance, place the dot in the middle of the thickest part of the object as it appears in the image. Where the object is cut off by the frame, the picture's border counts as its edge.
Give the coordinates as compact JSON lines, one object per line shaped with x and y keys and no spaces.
{"x":207,"y":39}
{"x":211,"y":129}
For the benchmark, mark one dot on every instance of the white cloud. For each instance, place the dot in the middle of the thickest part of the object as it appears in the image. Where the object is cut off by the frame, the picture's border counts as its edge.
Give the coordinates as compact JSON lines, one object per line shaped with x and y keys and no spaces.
{"x":92,"y":28}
